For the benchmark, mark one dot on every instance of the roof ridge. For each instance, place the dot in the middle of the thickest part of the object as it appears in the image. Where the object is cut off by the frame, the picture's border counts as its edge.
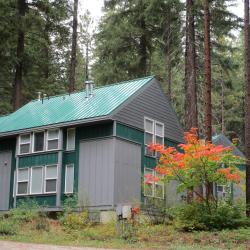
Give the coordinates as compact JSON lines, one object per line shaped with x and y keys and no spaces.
{"x":98,"y":87}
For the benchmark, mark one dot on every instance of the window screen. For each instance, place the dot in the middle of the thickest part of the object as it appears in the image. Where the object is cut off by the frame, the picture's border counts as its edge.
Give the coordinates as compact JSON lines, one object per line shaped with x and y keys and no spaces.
{"x":70,"y":139}
{"x":23,"y":181}
{"x":36,"y":180}
{"x":24,"y":144}
{"x":53,"y":139}
{"x":69,"y":178}
{"x":51,"y":179}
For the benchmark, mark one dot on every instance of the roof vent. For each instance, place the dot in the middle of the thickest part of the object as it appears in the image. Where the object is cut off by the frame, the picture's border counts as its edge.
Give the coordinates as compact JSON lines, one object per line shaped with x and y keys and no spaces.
{"x":89,"y":89}
{"x":39,"y":95}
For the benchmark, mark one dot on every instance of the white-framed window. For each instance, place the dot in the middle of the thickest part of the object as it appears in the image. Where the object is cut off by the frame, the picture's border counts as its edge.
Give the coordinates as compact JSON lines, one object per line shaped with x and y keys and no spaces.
{"x":223,"y":190}
{"x":23,"y":181}
{"x":153,"y":134}
{"x":50,"y":180}
{"x":152,"y":188}
{"x":69,"y":179}
{"x":38,"y":141}
{"x":24,"y":144}
{"x":52,"y":139}
{"x":36,"y":180}
{"x":71,"y":136}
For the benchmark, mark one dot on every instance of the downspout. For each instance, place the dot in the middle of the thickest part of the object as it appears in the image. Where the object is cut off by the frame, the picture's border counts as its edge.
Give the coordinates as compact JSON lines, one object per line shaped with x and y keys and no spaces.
{"x":15,"y":181}
{"x":59,"y":177}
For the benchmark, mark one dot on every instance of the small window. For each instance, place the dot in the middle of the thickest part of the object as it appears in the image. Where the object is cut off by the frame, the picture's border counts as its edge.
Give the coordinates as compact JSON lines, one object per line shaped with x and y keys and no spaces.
{"x":69,"y":178}
{"x":24,"y":144}
{"x":148,"y":185}
{"x":22,"y":181}
{"x":53,"y":139}
{"x":36,"y":186}
{"x":50,"y":179}
{"x":151,"y":188}
{"x":38,"y":141}
{"x":224,"y":190}
{"x":71,"y":139}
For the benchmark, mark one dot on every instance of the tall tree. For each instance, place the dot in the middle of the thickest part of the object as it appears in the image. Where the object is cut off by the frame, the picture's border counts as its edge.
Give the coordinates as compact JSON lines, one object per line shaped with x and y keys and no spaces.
{"x":17,"y":95}
{"x":72,"y":69}
{"x":247,"y":101}
{"x":191,"y":116}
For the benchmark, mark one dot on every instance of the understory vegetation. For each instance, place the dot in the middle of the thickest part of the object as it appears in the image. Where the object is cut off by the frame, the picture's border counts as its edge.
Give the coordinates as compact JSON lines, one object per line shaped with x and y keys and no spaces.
{"x":76,"y":229}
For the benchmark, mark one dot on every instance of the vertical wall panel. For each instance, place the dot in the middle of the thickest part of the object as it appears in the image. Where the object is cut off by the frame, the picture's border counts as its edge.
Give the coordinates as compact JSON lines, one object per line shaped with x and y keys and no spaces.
{"x":127,"y":185}
{"x":96,"y":172}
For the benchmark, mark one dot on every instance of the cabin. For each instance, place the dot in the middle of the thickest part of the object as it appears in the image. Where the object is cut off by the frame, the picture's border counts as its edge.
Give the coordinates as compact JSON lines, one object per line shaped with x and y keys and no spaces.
{"x":235,"y":191}
{"x":92,"y":143}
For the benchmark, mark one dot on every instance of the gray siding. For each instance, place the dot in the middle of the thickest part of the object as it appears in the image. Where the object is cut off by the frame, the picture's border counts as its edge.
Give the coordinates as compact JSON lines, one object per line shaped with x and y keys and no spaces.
{"x":5,"y":170}
{"x":153,"y":103}
{"x":172,"y":197}
{"x":127,"y":186}
{"x":96,"y":173}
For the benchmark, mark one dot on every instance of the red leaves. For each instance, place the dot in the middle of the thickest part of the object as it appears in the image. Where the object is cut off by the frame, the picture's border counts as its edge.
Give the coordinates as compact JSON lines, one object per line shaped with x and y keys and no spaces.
{"x":229,"y":174}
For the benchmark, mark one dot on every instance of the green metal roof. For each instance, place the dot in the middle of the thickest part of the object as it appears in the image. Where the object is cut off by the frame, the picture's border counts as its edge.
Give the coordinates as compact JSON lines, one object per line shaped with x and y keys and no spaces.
{"x":73,"y":107}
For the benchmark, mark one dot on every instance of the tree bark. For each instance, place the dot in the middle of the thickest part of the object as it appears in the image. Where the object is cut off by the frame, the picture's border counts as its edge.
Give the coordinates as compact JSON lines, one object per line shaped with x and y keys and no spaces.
{"x":191,"y":116}
{"x":207,"y":68}
{"x":168,"y":58}
{"x":143,"y":50}
{"x":247,"y":101}
{"x":73,"y":49}
{"x":17,"y":95}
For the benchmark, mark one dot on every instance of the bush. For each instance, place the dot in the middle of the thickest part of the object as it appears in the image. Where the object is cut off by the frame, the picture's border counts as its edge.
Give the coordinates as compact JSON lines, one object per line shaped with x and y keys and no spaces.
{"x":75,"y":221}
{"x":7,"y":227}
{"x":224,"y":215}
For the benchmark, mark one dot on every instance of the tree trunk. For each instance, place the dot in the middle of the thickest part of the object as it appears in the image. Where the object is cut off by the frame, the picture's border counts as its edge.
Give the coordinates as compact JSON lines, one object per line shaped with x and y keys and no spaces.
{"x":168,"y":58}
{"x":207,"y":86}
{"x":207,"y":68}
{"x":223,"y":127}
{"x":143,"y":50}
{"x":72,"y":70}
{"x":247,"y":101}
{"x":17,"y":95}
{"x":191,"y":116}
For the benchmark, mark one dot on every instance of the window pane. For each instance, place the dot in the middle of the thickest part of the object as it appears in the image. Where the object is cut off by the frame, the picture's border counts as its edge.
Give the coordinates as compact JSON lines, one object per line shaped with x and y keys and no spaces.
{"x":37,"y":180}
{"x":219,"y":188}
{"x":50,"y":186}
{"x":23,"y":174}
{"x":51,"y":171}
{"x":39,"y":141}
{"x":149,"y":126}
{"x":24,"y":148}
{"x":53,"y":144}
{"x":69,"y":179}
{"x":159,"y":129}
{"x":159,"y":140}
{"x":71,"y":139}
{"x":53,"y":134}
{"x":159,"y":190}
{"x":22,"y":188}
{"x":148,"y":138}
{"x":25,"y":138}
{"x":148,"y":189}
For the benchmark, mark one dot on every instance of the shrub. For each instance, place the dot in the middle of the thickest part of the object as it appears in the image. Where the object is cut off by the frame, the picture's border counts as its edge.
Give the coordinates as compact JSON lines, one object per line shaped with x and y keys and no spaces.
{"x":195,"y":216}
{"x":7,"y":227}
{"x":75,"y":221}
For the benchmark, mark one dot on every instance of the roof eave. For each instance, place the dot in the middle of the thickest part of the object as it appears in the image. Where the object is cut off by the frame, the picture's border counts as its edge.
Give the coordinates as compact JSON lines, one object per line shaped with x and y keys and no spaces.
{"x":58,"y":125}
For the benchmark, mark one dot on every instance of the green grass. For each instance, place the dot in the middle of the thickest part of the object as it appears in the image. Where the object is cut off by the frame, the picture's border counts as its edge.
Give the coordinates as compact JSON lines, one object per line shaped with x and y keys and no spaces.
{"x":147,"y":237}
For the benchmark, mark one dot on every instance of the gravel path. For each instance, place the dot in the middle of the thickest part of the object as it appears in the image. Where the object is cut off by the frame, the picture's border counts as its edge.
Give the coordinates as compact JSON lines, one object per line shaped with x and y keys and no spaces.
{"x":9,"y":245}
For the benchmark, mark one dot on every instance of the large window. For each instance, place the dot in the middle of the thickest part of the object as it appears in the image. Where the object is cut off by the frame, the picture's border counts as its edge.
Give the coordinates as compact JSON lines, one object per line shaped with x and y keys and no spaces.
{"x":36,"y":179}
{"x":23,"y":181}
{"x":38,"y":140}
{"x":70,"y":139}
{"x":223,"y":190}
{"x":154,"y":133}
{"x":24,"y":144}
{"x":69,"y":178}
{"x":50,"y":182}
{"x":152,"y":188}
{"x":53,"y":139}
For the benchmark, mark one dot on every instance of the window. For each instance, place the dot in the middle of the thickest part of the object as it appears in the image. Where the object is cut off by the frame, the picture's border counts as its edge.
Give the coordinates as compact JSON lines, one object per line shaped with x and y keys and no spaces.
{"x":70,"y":139}
{"x":53,"y":139}
{"x":154,"y":133}
{"x":22,"y":181}
{"x":38,"y":142}
{"x":151,"y":188}
{"x":50,"y":179}
{"x":69,"y":178}
{"x":36,"y":186}
{"x":24,"y":144}
{"x":223,"y":190}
